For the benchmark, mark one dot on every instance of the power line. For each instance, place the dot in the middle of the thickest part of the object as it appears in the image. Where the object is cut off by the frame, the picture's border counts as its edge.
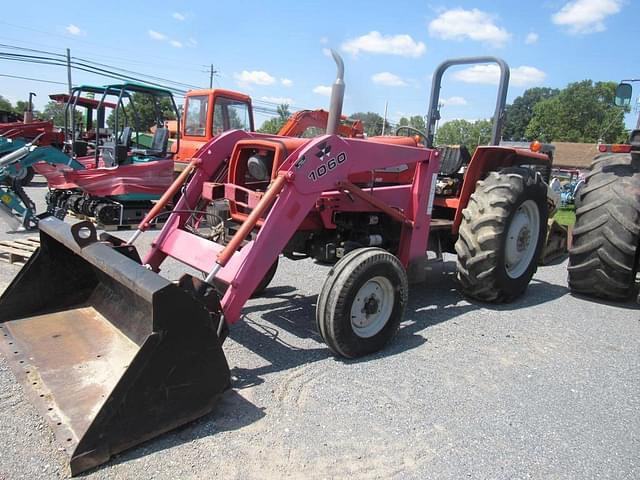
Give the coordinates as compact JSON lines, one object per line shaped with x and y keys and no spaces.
{"x":138,"y":74}
{"x":32,"y":79}
{"x":84,"y":67}
{"x":188,"y":85}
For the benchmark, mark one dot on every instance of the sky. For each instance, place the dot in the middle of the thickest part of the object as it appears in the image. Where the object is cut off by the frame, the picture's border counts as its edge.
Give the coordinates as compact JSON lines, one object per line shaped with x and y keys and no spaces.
{"x":277,"y":51}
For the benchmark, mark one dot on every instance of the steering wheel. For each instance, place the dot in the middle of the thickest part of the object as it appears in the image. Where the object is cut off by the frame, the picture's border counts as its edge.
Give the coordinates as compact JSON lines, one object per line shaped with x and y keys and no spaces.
{"x":412,"y":130}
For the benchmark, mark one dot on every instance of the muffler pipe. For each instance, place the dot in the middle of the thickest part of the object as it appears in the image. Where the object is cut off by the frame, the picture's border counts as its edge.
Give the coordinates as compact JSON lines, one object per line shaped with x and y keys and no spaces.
{"x":337,"y":96}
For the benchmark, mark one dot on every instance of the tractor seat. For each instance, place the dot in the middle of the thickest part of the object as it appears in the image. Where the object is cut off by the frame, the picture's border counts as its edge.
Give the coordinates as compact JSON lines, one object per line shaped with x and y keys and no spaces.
{"x":125,"y":137}
{"x":159,"y":144}
{"x":452,"y":158}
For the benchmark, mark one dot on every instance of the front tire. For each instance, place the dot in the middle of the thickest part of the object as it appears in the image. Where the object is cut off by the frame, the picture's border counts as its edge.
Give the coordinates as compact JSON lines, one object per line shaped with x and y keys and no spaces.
{"x":266,"y":280}
{"x":362,"y":302}
{"x":603,"y":260}
{"x":502,"y":234}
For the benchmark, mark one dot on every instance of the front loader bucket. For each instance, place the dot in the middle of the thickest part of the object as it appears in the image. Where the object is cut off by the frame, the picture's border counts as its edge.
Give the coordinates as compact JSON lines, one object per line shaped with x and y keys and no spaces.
{"x":111,"y":353}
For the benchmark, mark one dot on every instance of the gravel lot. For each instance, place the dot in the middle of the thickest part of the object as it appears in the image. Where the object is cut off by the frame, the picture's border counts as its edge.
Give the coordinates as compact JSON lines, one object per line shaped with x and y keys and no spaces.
{"x":546,"y":387}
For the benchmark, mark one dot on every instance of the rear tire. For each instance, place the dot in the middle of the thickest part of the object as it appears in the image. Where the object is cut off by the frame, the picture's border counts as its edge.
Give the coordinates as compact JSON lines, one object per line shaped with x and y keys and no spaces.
{"x":603,"y":260}
{"x":362,"y":302}
{"x":501,"y":235}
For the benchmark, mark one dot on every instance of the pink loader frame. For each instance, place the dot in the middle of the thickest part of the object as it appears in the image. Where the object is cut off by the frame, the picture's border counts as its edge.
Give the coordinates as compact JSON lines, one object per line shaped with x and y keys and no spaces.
{"x":300,"y":183}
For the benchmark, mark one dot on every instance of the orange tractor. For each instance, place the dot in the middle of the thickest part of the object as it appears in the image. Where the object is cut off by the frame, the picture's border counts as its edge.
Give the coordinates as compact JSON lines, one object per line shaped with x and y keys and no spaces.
{"x":115,"y":354}
{"x":208,"y":113}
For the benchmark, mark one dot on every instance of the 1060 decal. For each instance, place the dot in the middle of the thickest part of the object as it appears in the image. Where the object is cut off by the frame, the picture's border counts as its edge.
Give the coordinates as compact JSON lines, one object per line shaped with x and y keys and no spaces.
{"x":321,"y":170}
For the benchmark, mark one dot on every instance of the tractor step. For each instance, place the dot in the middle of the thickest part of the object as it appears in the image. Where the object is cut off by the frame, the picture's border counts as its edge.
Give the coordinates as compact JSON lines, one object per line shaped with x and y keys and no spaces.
{"x":18,"y":251}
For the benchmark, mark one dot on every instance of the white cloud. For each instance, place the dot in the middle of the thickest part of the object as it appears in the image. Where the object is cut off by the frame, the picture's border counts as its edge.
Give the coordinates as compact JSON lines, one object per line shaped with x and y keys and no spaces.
{"x":458,"y":24}
{"x":322,"y":90}
{"x":75,"y":30}
{"x":176,"y":43}
{"x":327,"y":52}
{"x":179,"y":16}
{"x":374,"y":42}
{"x":324,"y":40}
{"x":586,"y":16}
{"x":254,"y":77}
{"x":157,"y":35}
{"x":490,"y":75}
{"x":278,"y":100}
{"x":193,"y":42}
{"x":532,"y":38}
{"x":388,"y":79}
{"x":525,"y":75}
{"x":454,"y":101}
{"x":286,"y":82}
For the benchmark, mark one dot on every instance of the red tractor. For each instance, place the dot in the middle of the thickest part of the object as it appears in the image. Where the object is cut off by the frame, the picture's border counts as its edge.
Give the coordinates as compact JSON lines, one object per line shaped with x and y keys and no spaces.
{"x":153,"y":348}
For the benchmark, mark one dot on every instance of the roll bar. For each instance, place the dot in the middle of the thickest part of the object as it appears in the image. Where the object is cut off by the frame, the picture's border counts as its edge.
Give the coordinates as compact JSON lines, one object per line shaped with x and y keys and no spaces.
{"x":433,"y":113}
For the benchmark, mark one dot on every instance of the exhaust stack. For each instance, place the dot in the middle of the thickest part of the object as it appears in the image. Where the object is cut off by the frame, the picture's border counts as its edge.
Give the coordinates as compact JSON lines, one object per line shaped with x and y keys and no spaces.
{"x":337,"y":96}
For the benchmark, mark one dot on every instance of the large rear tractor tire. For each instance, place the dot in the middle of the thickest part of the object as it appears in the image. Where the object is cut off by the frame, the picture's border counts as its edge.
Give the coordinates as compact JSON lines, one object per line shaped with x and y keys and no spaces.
{"x":502,"y":234}
{"x":603,"y":260}
{"x":362,"y":302}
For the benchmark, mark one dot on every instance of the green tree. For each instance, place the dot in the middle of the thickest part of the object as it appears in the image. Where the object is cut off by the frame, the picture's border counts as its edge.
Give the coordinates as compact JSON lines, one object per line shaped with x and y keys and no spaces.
{"x":372,"y":123}
{"x":273,"y":125}
{"x":21,"y":107}
{"x":55,"y":111}
{"x":146,"y":111}
{"x":520,"y":112}
{"x":463,"y":132}
{"x":416,"y":122}
{"x":582,"y":112}
{"x":5,"y":105}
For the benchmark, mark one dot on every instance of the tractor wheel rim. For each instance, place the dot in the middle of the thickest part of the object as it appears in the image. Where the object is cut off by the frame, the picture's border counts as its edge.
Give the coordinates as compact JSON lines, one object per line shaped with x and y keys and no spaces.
{"x":522,"y":239}
{"x":372,"y":307}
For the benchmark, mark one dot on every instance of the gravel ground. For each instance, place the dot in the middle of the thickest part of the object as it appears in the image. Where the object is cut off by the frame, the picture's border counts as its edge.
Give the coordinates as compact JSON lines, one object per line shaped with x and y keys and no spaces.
{"x":546,"y":387}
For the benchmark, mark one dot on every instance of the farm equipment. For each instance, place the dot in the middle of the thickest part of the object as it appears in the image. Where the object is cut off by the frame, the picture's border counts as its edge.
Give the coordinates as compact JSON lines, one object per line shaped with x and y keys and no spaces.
{"x":119,"y":183}
{"x":567,"y":183}
{"x":605,"y":254}
{"x":313,"y":123}
{"x":233,"y":110}
{"x":115,"y":354}
{"x":39,"y":153}
{"x":25,"y":132}
{"x":208,"y":113}
{"x":16,"y":156}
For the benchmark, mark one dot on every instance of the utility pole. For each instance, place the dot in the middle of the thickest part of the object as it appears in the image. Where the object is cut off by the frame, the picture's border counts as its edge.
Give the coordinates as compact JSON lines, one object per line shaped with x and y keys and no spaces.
{"x":212,"y":72}
{"x":69,"y":69}
{"x":384,"y":120}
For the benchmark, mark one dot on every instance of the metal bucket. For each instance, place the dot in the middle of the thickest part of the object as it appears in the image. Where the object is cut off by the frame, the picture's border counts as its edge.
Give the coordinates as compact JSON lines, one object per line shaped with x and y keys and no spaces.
{"x":110,"y":352}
